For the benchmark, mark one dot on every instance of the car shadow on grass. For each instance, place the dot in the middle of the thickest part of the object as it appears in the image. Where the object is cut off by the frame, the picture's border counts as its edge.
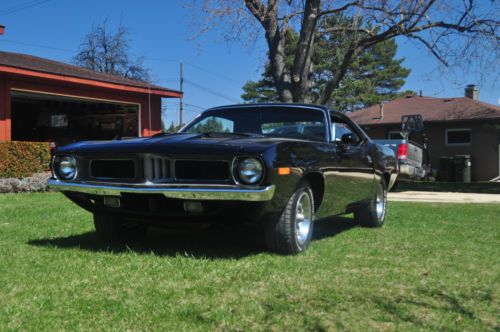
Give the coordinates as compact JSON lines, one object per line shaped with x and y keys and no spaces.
{"x":218,"y":242}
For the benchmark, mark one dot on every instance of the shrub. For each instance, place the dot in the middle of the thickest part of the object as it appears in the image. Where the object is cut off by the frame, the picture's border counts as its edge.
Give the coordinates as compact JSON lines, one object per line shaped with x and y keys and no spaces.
{"x":23,"y":159}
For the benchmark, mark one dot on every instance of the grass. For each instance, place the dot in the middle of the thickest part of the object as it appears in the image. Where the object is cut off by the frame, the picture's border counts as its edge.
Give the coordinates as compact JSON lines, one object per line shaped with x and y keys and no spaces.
{"x":472,"y":187}
{"x":431,"y":267}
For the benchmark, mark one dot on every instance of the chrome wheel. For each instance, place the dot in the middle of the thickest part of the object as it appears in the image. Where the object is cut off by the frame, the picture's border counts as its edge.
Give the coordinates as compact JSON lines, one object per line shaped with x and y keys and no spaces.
{"x":380,"y":203}
{"x":303,"y":218}
{"x":291,"y":233}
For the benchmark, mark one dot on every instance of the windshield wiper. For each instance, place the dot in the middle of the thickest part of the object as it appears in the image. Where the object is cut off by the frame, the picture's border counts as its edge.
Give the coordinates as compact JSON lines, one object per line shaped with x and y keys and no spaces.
{"x":165,"y":134}
{"x":221,"y":133}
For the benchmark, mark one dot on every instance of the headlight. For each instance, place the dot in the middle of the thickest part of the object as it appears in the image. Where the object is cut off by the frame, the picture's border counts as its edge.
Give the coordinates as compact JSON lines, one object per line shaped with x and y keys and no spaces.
{"x":250,"y":170}
{"x":65,"y":167}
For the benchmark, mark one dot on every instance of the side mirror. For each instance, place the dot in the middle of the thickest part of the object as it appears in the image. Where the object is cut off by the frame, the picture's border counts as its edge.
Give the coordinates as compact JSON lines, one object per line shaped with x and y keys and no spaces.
{"x":412,"y":123}
{"x":349,"y":138}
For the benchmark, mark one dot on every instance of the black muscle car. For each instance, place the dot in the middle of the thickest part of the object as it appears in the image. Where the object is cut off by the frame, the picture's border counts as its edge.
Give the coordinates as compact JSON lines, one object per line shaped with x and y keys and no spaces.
{"x":278,"y":165}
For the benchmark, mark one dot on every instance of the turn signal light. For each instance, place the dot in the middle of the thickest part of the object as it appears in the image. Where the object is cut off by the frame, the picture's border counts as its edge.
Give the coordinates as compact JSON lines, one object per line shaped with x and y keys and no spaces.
{"x":284,"y":171}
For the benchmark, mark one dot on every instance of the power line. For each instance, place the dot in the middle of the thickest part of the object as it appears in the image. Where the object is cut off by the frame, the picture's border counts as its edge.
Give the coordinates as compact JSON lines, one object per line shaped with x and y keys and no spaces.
{"x":215,"y":93}
{"x":213,"y":73}
{"x":15,"y":7}
{"x":208,"y":90}
{"x":176,"y":109}
{"x":197,"y":67}
{"x":37,"y":45}
{"x":193,"y":111}
{"x":201,"y":108}
{"x":146,"y":58}
{"x":173,"y":79}
{"x":22,"y":6}
{"x":162,"y":60}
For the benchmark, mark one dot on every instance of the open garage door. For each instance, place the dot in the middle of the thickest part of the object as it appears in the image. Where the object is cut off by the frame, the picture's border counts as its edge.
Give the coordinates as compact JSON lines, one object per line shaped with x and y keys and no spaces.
{"x":41,"y":117}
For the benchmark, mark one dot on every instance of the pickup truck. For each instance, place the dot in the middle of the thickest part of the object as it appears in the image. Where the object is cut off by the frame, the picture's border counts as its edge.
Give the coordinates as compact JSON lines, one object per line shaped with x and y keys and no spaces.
{"x":413,"y":158}
{"x":410,"y":156}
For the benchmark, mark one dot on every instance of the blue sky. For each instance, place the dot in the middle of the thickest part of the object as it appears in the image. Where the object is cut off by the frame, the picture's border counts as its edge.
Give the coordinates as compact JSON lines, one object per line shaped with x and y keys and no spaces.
{"x":161,"y":31}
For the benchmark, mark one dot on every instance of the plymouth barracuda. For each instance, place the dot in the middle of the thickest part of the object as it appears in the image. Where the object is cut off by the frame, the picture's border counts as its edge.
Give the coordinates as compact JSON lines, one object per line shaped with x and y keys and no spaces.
{"x":279,"y":166}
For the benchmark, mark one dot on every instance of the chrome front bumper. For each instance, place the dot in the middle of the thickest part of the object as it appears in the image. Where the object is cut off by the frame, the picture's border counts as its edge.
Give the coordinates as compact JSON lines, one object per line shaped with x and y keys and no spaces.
{"x":191,"y":192}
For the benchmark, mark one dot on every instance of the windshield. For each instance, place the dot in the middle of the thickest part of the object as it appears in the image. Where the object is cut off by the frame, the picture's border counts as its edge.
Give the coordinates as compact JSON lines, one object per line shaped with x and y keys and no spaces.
{"x":272,"y":122}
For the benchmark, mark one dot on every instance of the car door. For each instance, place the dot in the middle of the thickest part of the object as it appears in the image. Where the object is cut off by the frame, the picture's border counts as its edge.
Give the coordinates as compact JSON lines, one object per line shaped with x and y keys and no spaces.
{"x":350,"y":177}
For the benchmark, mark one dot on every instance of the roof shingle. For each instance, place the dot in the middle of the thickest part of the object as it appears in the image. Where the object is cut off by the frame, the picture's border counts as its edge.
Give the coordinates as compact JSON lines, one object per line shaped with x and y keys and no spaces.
{"x":432,"y":110}
{"x":29,"y":62}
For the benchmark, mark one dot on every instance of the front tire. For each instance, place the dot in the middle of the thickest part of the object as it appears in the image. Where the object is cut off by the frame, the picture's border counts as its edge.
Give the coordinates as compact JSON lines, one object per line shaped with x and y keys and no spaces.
{"x":292,"y":232}
{"x":114,"y":229}
{"x":373,"y":213}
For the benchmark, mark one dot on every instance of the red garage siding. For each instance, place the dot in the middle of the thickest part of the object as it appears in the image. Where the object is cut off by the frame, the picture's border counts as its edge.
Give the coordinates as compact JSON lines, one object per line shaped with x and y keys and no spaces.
{"x":88,"y":85}
{"x":4,"y":112}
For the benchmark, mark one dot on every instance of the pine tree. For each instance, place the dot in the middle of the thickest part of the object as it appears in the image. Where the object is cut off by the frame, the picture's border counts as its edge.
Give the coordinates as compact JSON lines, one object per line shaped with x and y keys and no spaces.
{"x":173,"y":128}
{"x":374,"y":77}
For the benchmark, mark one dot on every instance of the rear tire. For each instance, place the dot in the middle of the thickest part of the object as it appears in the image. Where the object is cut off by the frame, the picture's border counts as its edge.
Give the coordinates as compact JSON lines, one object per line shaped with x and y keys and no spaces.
{"x":114,"y":229}
{"x":291,"y":233}
{"x":373,"y":213}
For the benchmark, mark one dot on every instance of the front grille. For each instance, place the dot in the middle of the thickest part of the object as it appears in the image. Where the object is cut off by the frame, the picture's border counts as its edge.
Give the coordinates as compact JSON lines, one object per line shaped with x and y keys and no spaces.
{"x":201,"y":170}
{"x":112,"y":169}
{"x":156,"y":168}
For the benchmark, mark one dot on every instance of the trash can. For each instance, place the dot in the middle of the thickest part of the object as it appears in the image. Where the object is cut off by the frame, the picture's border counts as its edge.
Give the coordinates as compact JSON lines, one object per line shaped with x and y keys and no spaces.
{"x":462,"y":168}
{"x":447,"y":169}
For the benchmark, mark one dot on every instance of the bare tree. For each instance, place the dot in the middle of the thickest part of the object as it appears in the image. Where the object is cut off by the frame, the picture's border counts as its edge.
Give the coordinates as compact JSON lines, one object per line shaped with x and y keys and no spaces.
{"x":108,"y":52}
{"x":453,"y":31}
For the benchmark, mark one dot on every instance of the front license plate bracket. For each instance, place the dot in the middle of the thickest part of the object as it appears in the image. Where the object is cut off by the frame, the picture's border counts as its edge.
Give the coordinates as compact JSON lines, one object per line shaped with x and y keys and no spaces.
{"x":112,"y":201}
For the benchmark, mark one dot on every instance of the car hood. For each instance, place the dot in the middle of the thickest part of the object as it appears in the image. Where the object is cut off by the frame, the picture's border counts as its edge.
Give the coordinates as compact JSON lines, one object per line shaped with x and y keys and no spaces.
{"x":177,"y":144}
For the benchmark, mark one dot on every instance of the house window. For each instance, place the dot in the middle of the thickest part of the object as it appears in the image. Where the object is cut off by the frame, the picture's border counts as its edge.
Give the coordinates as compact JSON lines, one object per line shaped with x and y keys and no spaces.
{"x":458,"y":137}
{"x":394,"y":134}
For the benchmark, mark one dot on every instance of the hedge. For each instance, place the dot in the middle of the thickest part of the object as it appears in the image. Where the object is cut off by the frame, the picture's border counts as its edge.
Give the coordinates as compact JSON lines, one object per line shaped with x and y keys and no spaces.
{"x":23,"y":159}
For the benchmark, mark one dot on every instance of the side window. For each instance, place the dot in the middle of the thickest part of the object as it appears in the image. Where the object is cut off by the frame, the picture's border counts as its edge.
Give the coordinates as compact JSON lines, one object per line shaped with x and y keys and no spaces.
{"x":213,"y":124}
{"x":314,"y":130}
{"x":339,"y":129}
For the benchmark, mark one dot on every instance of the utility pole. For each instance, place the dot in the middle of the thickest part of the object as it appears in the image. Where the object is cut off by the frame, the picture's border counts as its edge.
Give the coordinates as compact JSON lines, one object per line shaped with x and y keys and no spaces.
{"x":180,"y":102}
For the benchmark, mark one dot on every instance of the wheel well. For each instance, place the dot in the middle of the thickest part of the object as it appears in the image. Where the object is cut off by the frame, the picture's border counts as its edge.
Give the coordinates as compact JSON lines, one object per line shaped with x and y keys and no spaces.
{"x":317,"y":183}
{"x":387,"y":179}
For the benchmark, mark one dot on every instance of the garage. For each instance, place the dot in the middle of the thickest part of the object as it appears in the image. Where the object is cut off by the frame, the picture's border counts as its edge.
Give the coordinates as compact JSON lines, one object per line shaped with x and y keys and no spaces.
{"x":64,"y":119}
{"x":48,"y":101}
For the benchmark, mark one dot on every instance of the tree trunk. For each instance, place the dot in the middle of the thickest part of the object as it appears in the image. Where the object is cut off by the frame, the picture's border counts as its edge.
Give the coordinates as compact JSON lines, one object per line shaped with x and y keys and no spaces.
{"x":305,"y":49}
{"x":268,"y":18}
{"x":277,"y":59}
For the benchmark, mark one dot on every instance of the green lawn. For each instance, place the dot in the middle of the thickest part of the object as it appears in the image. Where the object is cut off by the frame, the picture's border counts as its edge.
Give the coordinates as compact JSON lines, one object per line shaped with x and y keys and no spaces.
{"x":432,"y":267}
{"x":472,"y":187}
